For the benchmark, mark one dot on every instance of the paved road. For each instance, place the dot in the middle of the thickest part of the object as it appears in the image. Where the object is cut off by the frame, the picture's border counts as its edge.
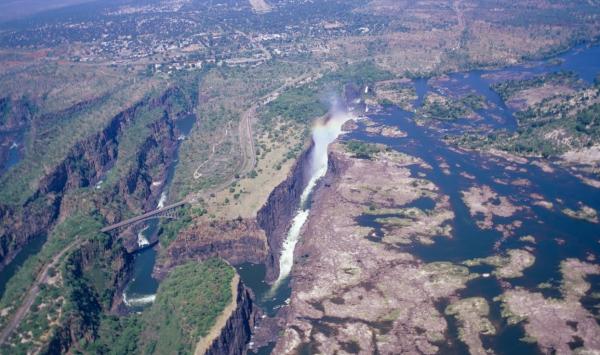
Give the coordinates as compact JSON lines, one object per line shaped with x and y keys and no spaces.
{"x":32,"y":293}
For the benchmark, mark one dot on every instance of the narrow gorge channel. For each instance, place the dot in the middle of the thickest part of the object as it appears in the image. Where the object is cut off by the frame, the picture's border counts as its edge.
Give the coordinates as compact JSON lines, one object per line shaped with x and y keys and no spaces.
{"x":141,"y":290}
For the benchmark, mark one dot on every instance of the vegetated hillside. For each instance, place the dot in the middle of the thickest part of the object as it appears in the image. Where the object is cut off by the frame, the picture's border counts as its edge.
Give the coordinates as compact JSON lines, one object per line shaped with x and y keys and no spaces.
{"x":74,"y":299}
{"x":550,"y":122}
{"x":93,"y":275}
{"x":101,"y":175}
{"x":187,"y":304}
{"x":76,"y":226}
{"x":109,"y":167}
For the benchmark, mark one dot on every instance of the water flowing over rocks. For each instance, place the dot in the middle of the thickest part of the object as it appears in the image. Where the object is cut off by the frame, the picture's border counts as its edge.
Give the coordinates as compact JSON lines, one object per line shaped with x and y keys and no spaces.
{"x":275,"y":217}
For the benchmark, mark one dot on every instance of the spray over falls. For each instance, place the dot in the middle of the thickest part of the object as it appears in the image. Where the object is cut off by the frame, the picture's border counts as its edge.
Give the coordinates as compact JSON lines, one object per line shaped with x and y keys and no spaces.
{"x":323,"y":134}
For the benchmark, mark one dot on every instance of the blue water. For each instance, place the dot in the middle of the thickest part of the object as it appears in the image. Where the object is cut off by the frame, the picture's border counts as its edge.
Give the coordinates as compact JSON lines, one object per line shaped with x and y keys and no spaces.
{"x":15,"y":141}
{"x":469,"y":241}
{"x":142,"y":283}
{"x":253,"y":276}
{"x":584,"y":61}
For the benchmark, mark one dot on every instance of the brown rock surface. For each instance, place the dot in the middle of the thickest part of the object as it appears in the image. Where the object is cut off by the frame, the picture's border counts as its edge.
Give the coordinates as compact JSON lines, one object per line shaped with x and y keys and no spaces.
{"x":351,"y":293}
{"x":236,"y":241}
{"x":554,"y":323}
{"x":472,"y":314}
{"x":482,"y":200}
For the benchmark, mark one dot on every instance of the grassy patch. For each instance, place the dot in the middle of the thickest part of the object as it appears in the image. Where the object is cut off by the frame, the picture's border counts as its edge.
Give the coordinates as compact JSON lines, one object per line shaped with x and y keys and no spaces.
{"x":444,"y":108}
{"x":509,"y":88}
{"x":362,"y":150}
{"x":77,"y":225}
{"x":187,"y":304}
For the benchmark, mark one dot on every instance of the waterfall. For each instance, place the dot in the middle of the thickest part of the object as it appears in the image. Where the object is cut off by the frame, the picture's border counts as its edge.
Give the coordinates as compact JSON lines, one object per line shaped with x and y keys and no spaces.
{"x":141,"y":238}
{"x":162,"y":200}
{"x":324,"y":133}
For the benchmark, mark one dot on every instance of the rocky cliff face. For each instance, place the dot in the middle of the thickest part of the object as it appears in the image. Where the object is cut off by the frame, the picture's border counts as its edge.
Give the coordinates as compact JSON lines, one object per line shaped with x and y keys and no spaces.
{"x":237,"y":331}
{"x":236,"y":241}
{"x":85,"y":164}
{"x":276,"y":215}
{"x":239,"y":241}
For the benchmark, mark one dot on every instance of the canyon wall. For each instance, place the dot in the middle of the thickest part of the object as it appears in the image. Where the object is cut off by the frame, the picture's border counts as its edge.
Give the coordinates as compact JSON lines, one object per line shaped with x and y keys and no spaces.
{"x":84,"y":166}
{"x":276,"y":215}
{"x":238,"y":329}
{"x":244,"y":240}
{"x":236,"y":241}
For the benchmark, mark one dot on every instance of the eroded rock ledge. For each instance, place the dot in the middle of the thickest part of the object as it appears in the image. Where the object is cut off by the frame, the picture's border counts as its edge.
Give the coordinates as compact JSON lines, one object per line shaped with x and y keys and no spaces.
{"x":236,"y":241}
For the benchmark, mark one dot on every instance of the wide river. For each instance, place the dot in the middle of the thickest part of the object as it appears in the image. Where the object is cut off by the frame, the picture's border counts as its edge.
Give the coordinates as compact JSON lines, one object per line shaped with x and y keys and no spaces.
{"x":469,"y":241}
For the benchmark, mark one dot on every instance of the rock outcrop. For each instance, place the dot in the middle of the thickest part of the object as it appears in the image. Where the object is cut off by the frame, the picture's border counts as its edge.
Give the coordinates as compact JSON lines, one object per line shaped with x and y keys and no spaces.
{"x":237,"y":331}
{"x":236,"y":241}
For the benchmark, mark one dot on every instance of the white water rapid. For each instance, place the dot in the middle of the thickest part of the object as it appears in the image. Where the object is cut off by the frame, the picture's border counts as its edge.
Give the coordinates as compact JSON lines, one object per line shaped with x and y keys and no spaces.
{"x":162,"y":200}
{"x":141,"y":238}
{"x":324,"y":133}
{"x":138,"y":301}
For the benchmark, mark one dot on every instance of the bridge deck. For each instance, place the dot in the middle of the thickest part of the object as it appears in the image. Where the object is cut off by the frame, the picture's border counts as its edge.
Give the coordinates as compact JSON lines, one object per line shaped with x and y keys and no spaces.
{"x":141,"y":217}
